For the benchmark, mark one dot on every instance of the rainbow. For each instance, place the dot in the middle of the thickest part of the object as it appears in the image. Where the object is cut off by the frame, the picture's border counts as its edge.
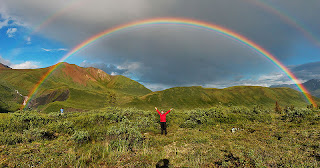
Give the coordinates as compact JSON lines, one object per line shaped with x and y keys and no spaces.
{"x":51,"y":18}
{"x":184,"y":22}
{"x":271,"y":8}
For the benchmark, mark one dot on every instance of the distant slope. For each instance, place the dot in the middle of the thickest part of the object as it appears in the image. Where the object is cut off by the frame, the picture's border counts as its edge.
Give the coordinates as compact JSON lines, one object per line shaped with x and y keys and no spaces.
{"x":2,"y":66}
{"x":69,"y":82}
{"x":313,"y":86}
{"x":193,"y":97}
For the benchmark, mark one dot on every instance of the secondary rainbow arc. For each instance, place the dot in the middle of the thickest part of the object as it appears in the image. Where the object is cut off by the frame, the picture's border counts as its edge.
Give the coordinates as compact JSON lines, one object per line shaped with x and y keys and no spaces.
{"x":186,"y":22}
{"x":271,"y":8}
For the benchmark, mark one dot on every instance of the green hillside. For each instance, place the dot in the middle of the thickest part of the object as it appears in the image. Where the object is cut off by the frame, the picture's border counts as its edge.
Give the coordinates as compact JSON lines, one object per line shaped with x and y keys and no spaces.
{"x":10,"y":100}
{"x":79,"y":89}
{"x":68,"y":86}
{"x":194,"y":97}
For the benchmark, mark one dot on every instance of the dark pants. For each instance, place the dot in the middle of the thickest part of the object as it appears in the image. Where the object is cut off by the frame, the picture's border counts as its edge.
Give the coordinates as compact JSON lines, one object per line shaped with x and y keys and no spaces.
{"x":163,"y":127}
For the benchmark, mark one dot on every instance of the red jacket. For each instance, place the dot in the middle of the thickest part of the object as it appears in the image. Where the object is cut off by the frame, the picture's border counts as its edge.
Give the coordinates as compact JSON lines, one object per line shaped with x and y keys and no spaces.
{"x":163,"y":116}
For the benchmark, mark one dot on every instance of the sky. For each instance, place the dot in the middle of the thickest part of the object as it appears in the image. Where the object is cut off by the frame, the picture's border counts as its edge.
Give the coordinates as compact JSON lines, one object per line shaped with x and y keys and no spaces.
{"x":38,"y":33}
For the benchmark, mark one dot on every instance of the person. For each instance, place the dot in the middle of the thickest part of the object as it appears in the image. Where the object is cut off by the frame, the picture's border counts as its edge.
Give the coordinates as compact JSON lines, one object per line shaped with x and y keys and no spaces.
{"x":163,"y":120}
{"x":61,"y":111}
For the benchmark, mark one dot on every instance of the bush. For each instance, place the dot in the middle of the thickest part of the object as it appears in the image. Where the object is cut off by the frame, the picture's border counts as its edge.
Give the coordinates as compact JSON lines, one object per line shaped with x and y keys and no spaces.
{"x":296,"y":114}
{"x":146,"y":123}
{"x":64,"y":127}
{"x":125,"y":136}
{"x":81,"y":137}
{"x":11,"y":138}
{"x":37,"y":134}
{"x":188,"y":124}
{"x":22,"y":121}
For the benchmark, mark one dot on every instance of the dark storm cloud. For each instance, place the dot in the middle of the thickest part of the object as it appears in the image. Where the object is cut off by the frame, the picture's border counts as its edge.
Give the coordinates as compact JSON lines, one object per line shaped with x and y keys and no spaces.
{"x":174,"y":55}
{"x":307,"y":71}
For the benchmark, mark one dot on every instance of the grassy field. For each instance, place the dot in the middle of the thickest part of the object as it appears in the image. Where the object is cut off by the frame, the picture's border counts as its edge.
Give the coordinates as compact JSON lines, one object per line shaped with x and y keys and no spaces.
{"x":128,"y":137}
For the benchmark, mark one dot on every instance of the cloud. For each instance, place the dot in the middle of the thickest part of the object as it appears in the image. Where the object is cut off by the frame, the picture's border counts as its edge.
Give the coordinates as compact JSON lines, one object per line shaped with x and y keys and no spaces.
{"x":28,"y":40}
{"x":307,"y":71}
{"x":11,"y":32}
{"x":54,"y":50}
{"x":3,"y":24}
{"x":175,"y":55}
{"x":24,"y":65}
{"x":4,"y":61}
{"x":108,"y":68}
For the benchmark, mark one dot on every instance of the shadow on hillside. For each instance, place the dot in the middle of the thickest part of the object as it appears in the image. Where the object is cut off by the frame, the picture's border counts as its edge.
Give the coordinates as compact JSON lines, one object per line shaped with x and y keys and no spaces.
{"x":163,"y":163}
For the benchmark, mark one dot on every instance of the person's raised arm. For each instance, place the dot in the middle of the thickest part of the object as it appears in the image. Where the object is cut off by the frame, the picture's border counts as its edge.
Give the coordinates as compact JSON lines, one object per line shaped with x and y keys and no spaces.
{"x":157,"y":110}
{"x":169,"y":110}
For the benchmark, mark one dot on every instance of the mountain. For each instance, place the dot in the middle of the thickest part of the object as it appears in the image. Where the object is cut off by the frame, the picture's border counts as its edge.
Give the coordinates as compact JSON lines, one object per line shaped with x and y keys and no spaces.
{"x":77,"y":88}
{"x":2,"y":66}
{"x":194,"y":97}
{"x":313,"y":86}
{"x":71,"y":86}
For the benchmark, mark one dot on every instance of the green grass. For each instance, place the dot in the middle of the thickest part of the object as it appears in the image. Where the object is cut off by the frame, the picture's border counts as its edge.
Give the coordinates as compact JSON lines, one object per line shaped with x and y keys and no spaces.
{"x":129,"y":137}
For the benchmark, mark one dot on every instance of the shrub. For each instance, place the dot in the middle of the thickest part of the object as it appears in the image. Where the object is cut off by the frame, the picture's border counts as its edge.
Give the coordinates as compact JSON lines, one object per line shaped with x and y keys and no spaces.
{"x":125,"y":136}
{"x":11,"y":138}
{"x":188,"y":124}
{"x":81,"y":137}
{"x":146,"y":123}
{"x":64,"y":127}
{"x":37,"y":134}
{"x":219,"y":113}
{"x":22,"y":121}
{"x":296,"y":114}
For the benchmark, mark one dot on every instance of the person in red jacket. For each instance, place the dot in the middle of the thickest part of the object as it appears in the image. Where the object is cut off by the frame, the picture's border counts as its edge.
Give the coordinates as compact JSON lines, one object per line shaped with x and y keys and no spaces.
{"x":163,"y":120}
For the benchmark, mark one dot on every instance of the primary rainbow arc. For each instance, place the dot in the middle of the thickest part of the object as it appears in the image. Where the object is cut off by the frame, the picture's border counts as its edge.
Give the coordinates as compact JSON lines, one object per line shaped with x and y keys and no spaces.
{"x":185,"y":22}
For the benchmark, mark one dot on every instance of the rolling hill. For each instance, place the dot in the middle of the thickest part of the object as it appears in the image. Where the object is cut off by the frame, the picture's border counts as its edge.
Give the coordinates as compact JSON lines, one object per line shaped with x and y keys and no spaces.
{"x":196,"y":96}
{"x":76,"y":88}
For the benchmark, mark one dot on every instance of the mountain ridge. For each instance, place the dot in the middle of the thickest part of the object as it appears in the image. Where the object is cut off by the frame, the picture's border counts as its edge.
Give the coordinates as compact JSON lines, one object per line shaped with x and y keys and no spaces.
{"x":77,"y":88}
{"x":2,"y":66}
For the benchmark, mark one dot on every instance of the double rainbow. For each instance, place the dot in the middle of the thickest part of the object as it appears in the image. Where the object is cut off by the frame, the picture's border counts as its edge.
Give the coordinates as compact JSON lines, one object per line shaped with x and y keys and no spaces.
{"x":184,"y":22}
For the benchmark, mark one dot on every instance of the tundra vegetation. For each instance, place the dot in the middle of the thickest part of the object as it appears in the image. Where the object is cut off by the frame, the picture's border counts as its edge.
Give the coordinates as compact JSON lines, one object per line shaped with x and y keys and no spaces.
{"x":130,"y":137}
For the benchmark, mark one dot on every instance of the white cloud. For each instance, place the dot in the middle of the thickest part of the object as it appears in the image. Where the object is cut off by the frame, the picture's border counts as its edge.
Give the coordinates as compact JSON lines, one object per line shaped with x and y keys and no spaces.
{"x":44,"y":49}
{"x":130,"y":67}
{"x":11,"y":32}
{"x":14,"y":21}
{"x":26,"y":65}
{"x":28,"y":40}
{"x":267,"y":80}
{"x":4,"y":61}
{"x":114,"y":73}
{"x":54,"y":50}
{"x":3,"y":23}
{"x":156,"y":87}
